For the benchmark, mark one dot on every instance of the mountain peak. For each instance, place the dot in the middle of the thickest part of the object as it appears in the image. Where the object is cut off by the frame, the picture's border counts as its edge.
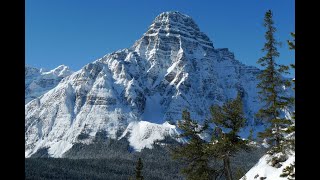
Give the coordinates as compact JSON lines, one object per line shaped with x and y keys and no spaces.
{"x":173,"y":13}
{"x":175,"y":17}
{"x":60,"y":71}
{"x":174,"y":20}
{"x":172,"y":32}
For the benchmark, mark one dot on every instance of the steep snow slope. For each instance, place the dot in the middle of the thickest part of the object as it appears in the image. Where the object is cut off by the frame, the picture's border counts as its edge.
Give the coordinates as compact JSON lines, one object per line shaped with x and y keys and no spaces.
{"x":39,"y":81}
{"x":172,"y":67}
{"x":143,"y":134}
{"x":263,"y":169}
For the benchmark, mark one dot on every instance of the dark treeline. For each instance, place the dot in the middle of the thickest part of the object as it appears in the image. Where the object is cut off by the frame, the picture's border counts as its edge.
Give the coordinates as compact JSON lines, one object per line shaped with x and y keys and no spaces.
{"x":113,"y":159}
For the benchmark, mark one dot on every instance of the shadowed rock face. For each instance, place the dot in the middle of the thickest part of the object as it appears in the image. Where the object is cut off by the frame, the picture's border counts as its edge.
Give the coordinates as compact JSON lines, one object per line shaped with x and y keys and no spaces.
{"x":172,"y":67}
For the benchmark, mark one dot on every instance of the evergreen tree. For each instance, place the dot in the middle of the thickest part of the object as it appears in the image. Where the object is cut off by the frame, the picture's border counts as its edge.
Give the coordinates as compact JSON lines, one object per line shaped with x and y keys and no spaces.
{"x":291,"y":129}
{"x":250,"y":137}
{"x":292,"y":44}
{"x":271,"y":87}
{"x":193,"y":153}
{"x":289,"y":172}
{"x":138,"y":170}
{"x":240,"y":172}
{"x":229,"y":116}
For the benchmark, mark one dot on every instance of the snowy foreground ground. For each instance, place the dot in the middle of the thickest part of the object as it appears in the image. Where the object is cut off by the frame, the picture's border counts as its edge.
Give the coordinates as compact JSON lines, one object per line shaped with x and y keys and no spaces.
{"x":263,"y":169}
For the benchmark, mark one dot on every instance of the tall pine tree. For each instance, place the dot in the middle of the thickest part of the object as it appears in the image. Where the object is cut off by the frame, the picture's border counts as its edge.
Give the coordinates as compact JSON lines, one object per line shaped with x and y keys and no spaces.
{"x":292,"y":44}
{"x":291,"y":129}
{"x":138,"y":170}
{"x":229,"y":116}
{"x":271,"y":87}
{"x":289,"y":143}
{"x":193,"y":154}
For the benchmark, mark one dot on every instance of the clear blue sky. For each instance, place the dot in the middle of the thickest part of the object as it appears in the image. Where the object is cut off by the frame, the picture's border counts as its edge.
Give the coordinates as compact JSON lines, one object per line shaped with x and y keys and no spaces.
{"x":77,"y":32}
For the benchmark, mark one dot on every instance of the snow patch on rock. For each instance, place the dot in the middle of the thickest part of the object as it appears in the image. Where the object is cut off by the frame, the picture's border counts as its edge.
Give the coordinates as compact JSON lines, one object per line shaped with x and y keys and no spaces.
{"x":143,"y":134}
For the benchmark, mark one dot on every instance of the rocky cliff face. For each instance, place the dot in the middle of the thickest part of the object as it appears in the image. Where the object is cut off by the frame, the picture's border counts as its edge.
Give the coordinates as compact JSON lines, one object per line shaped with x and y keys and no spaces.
{"x":173,"y":66}
{"x":39,"y":81}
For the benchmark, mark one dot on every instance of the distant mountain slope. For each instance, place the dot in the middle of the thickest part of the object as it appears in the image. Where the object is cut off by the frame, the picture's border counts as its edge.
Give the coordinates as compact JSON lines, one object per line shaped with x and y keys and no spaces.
{"x":38,"y":81}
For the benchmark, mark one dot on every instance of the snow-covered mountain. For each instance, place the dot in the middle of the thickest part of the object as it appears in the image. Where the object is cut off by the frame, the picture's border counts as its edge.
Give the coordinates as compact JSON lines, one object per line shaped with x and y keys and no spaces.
{"x":173,"y":66}
{"x":39,"y":81}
